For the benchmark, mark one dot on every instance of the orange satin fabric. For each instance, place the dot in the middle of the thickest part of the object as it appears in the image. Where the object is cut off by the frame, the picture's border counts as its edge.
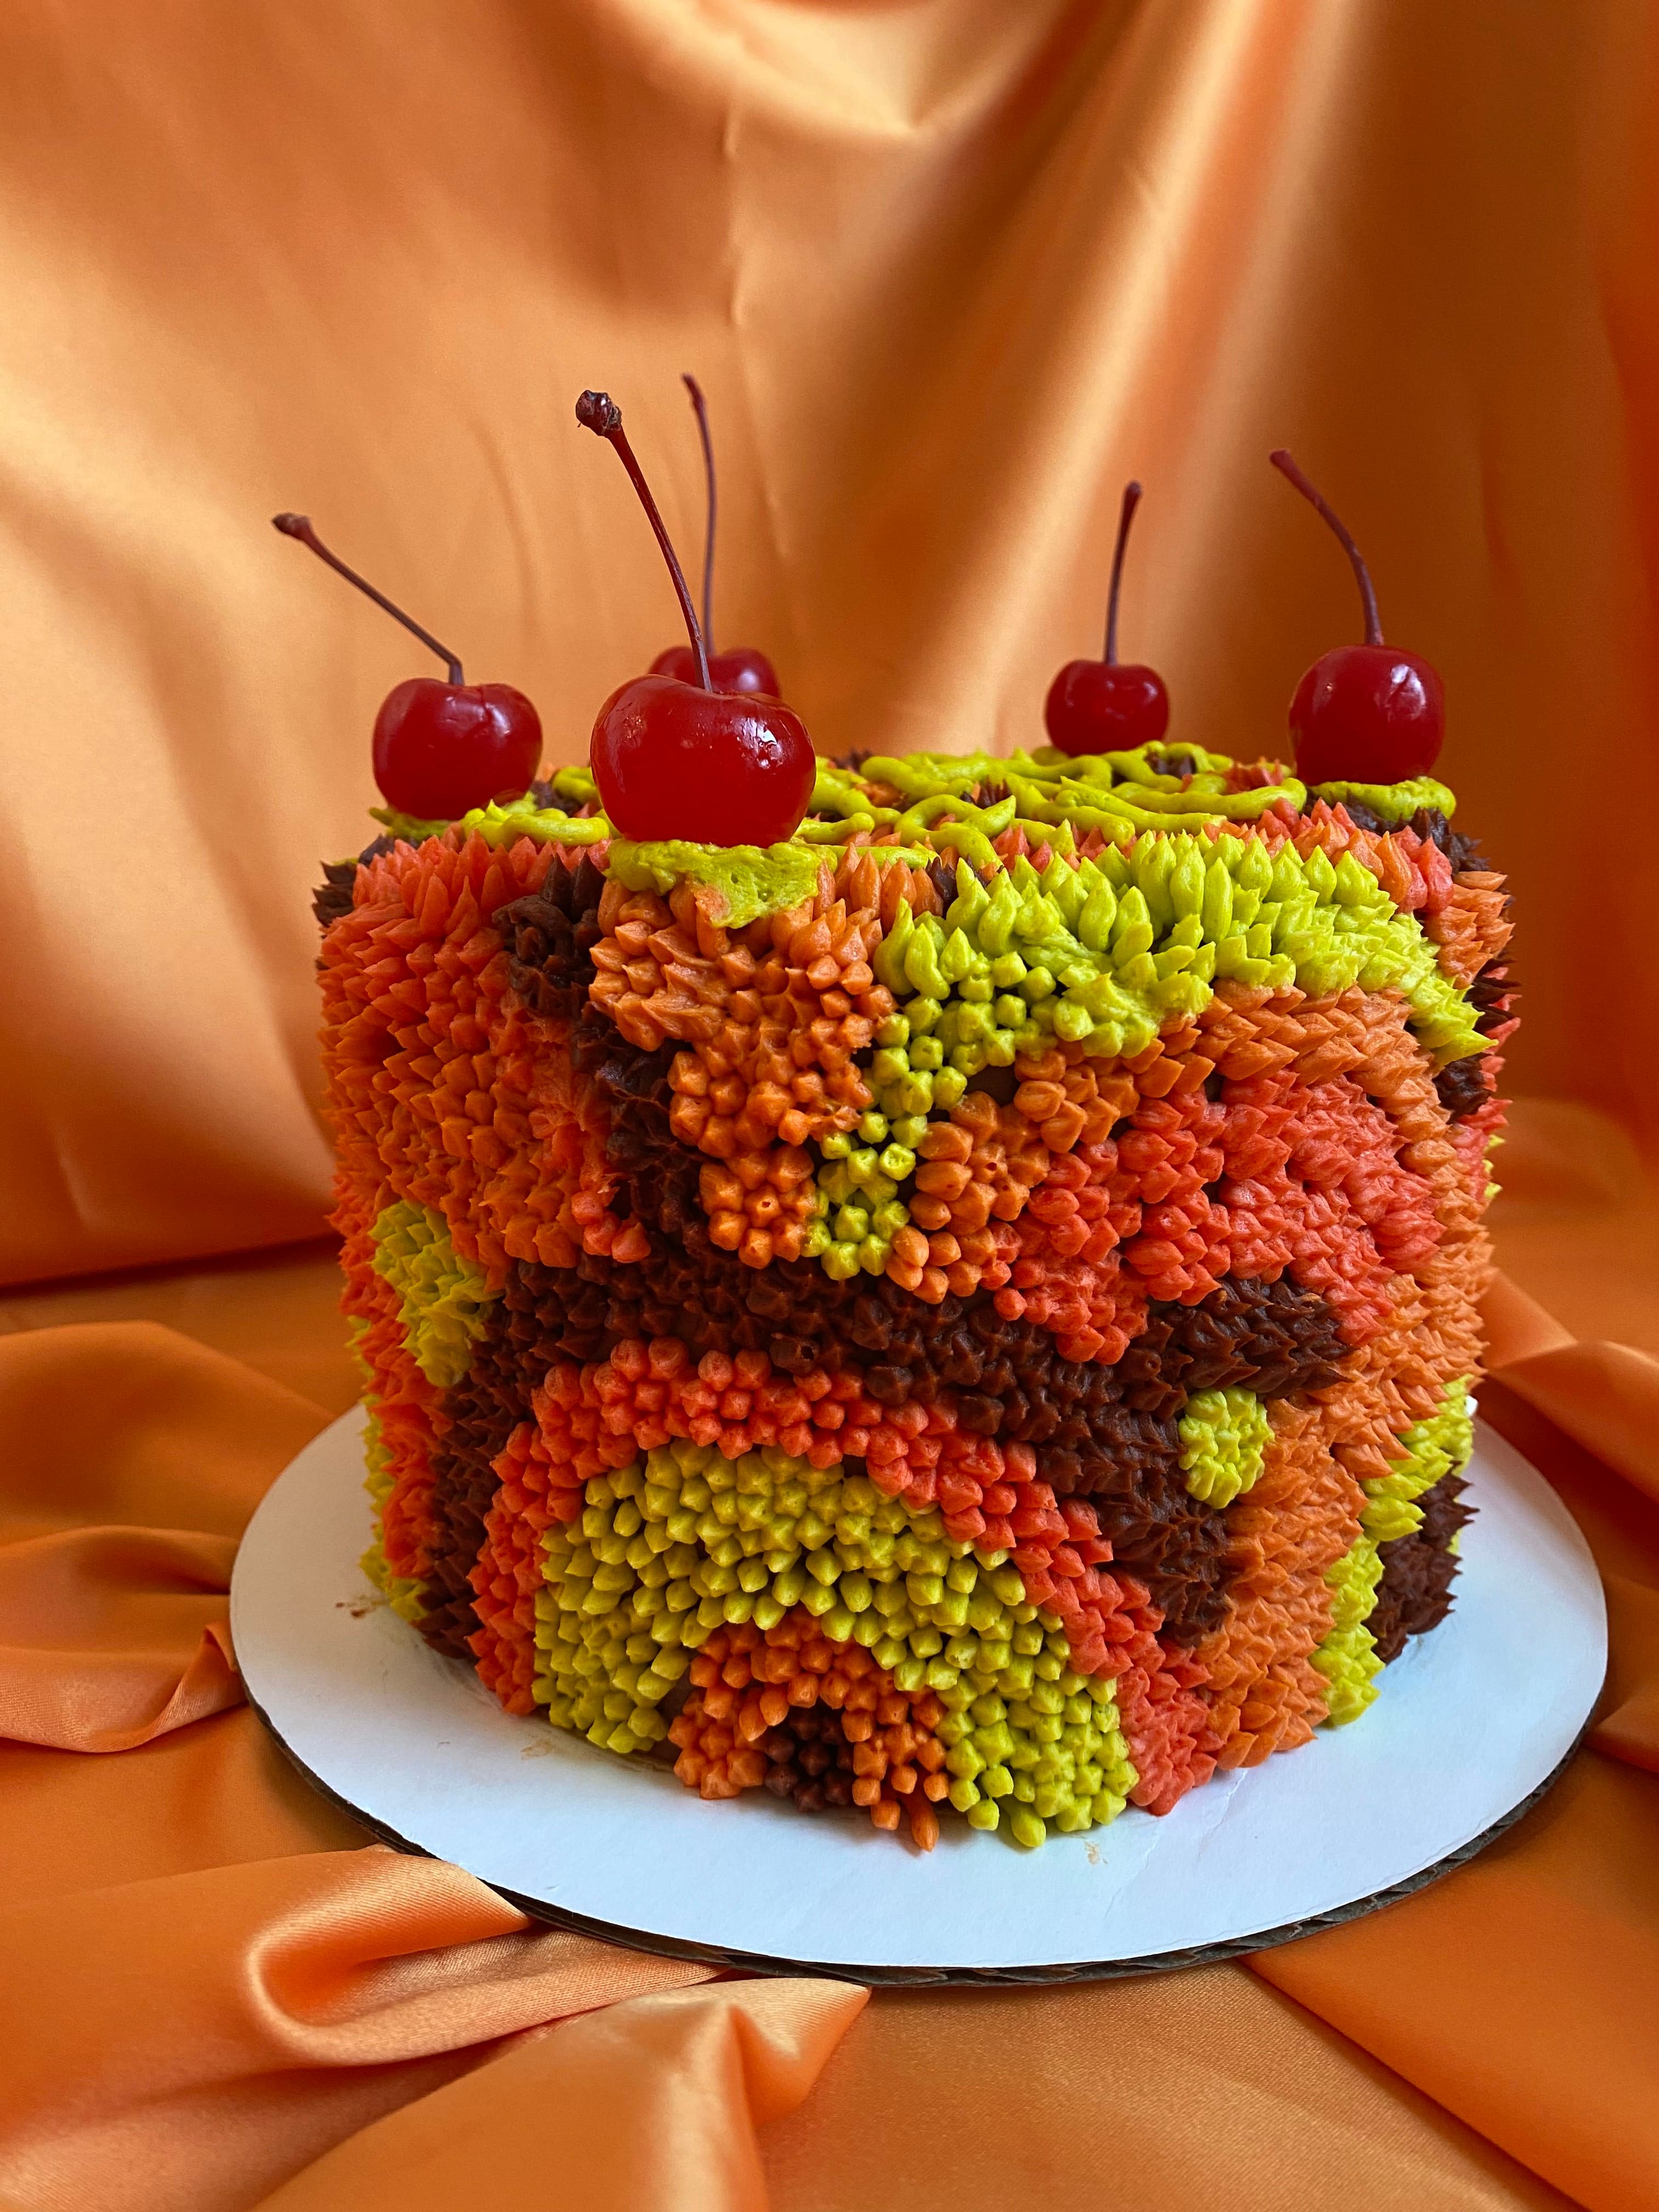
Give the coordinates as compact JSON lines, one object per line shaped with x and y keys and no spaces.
{"x":951,"y":270}
{"x":251,"y":2006}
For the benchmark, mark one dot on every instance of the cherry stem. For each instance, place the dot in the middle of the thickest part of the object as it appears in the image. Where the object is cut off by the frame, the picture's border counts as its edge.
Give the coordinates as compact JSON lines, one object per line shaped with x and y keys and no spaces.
{"x":299,"y":525}
{"x":701,"y":408}
{"x":1127,"y":516}
{"x":1286,"y":467}
{"x":599,"y":412}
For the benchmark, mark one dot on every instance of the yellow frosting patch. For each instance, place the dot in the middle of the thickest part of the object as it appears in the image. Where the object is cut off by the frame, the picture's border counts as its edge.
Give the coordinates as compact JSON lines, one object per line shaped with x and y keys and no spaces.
{"x":686,"y":1542}
{"x":1437,"y":1446}
{"x":1392,"y":803}
{"x":1224,"y":1434}
{"x":1347,"y":1656}
{"x":402,"y":1593}
{"x":442,"y":1298}
{"x":748,"y":879}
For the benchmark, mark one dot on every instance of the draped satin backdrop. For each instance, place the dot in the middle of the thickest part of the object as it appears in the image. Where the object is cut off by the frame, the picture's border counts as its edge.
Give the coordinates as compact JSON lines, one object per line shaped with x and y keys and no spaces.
{"x":951,"y":270}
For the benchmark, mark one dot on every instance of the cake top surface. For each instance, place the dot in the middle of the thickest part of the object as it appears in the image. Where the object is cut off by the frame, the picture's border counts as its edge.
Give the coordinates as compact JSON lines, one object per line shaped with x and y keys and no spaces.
{"x":1012,"y":902}
{"x":920,"y":808}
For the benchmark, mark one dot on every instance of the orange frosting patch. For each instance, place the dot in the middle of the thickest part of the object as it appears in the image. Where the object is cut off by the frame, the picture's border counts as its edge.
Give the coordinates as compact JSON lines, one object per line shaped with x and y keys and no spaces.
{"x":1165,"y":1711}
{"x":1473,"y":926}
{"x":507,"y":1573}
{"x":1326,"y":1157}
{"x":760,"y":1205}
{"x":772,"y":1015}
{"x":748,"y":1686}
{"x":468,"y":1101}
{"x":1300,"y":1517}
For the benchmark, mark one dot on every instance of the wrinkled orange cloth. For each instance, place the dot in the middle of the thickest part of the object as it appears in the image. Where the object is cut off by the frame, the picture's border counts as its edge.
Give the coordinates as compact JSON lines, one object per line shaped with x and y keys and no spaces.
{"x":219,"y":2034}
{"x":251,"y":2005}
{"x":951,"y":271}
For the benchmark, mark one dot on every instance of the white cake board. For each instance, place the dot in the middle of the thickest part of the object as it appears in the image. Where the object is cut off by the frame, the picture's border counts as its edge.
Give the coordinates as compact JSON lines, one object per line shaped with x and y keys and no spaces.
{"x":1472,"y":1722}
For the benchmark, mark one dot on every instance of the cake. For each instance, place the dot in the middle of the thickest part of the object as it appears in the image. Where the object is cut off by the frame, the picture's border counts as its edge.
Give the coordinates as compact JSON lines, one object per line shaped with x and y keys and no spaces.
{"x":969,"y":1312}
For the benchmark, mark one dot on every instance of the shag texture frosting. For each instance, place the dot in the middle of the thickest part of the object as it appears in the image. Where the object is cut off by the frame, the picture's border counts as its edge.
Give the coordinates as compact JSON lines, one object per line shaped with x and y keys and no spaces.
{"x":967,"y":1313}
{"x":441,"y":1296}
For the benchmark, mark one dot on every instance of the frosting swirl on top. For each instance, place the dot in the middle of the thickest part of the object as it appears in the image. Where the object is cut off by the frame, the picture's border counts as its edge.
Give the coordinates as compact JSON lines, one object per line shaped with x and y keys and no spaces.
{"x":921,"y":807}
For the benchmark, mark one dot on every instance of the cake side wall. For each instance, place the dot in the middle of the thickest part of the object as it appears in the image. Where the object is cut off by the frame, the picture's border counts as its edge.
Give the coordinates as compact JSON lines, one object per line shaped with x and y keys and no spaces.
{"x":1165,"y":1341}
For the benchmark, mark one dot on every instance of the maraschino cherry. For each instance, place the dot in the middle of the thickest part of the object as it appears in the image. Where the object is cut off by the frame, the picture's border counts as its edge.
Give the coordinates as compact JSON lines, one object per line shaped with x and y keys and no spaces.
{"x":740,"y":667}
{"x":1362,"y":713}
{"x":1100,"y":706}
{"x":440,"y":748}
{"x":675,"y":759}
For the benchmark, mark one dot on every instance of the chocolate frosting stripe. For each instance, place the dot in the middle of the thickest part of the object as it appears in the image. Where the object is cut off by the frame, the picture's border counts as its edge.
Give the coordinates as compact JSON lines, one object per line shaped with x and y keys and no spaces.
{"x":1415,"y":1592}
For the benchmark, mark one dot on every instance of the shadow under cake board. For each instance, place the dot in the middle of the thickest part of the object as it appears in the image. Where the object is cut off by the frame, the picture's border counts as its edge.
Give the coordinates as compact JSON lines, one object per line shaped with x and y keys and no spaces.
{"x":414,"y":1749}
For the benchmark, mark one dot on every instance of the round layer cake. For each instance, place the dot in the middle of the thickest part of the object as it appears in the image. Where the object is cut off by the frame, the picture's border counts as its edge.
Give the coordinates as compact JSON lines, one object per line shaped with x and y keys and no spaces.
{"x":970,"y":1312}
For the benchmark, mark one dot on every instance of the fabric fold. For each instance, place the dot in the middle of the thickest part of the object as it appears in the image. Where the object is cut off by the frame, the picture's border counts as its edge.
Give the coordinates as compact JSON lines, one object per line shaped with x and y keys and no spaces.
{"x":654,"y":2104}
{"x":115,"y":1631}
{"x":1449,"y":1988}
{"x":112,"y":1636}
{"x":1604,"y":1396}
{"x":211,"y":2034}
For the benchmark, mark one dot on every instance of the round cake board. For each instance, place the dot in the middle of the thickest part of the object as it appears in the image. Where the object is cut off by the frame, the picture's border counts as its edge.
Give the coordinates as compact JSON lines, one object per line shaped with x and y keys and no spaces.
{"x":1473,"y":1723}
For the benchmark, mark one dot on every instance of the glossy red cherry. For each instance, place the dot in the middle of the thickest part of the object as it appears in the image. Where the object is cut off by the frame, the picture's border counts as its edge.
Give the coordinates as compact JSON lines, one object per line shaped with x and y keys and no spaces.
{"x":740,"y":667}
{"x":1362,"y":713}
{"x":1097,"y":706}
{"x":675,"y":759}
{"x":440,"y":748}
